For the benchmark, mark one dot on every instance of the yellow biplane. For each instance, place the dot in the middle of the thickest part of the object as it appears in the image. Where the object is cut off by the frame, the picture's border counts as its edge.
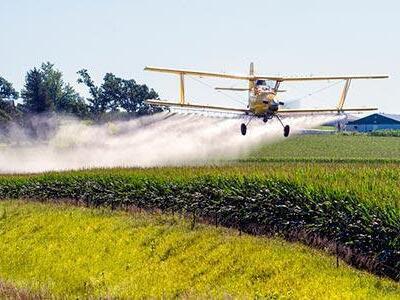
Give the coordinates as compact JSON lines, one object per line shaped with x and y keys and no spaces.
{"x":262,"y":92}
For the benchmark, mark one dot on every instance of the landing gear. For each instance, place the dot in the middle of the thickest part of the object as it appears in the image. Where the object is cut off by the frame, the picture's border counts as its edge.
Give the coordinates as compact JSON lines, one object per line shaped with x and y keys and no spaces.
{"x":286,"y":131}
{"x":286,"y":128}
{"x":243,"y":129}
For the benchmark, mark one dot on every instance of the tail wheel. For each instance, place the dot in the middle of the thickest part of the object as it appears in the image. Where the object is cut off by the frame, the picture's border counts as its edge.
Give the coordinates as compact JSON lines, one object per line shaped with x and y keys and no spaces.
{"x":243,"y":128}
{"x":286,"y":131}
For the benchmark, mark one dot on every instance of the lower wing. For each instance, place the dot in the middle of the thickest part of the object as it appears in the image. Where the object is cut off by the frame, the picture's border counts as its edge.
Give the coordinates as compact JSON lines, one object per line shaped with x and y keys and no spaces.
{"x":195,"y":106}
{"x":246,"y":111}
{"x":325,"y":110}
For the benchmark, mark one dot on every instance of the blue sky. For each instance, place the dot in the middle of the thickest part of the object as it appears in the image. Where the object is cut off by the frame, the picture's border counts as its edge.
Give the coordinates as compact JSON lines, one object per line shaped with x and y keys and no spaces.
{"x":281,"y":37}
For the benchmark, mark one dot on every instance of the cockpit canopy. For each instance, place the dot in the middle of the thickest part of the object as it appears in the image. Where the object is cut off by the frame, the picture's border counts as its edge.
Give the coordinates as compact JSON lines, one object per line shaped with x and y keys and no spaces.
{"x":268,"y":84}
{"x":261,"y":82}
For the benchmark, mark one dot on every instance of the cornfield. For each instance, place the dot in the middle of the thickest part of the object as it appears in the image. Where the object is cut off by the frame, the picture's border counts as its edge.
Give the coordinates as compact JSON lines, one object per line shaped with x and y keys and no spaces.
{"x":364,"y":233}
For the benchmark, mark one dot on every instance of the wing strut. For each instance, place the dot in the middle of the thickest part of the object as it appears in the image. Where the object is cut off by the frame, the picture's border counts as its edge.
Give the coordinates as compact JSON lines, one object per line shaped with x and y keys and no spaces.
{"x":181,"y":88}
{"x":343,"y":96}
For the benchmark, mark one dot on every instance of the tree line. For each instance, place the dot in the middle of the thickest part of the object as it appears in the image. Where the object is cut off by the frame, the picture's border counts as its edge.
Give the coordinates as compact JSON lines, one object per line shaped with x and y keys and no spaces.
{"x":45,"y":92}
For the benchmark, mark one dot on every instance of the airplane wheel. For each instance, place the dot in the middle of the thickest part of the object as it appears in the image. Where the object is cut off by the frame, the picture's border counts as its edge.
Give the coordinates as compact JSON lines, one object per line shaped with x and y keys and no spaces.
{"x":286,"y":131}
{"x":243,"y":129}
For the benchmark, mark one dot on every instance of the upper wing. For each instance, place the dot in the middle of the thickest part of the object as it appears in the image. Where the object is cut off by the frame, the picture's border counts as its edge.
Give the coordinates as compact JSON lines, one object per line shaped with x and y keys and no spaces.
{"x":325,"y":110}
{"x":197,"y":73}
{"x":310,"y":78}
{"x":254,"y":77}
{"x":194,"y":106}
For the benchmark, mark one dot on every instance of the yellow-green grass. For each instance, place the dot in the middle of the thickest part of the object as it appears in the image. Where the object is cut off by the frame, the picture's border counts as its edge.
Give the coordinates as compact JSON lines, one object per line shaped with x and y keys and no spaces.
{"x":60,"y":250}
{"x":332,"y":146}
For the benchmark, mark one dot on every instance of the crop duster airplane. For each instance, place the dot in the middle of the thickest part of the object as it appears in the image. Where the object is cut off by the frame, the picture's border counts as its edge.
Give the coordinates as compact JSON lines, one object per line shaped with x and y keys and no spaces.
{"x":262,"y":91}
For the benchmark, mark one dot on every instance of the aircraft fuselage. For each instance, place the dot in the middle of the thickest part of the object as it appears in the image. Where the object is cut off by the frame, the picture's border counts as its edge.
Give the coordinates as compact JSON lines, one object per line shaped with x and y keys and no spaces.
{"x":262,"y":101}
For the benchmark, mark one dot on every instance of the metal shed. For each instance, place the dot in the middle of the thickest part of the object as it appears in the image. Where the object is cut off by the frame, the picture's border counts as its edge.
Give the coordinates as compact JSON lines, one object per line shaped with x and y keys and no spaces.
{"x":375,"y":122}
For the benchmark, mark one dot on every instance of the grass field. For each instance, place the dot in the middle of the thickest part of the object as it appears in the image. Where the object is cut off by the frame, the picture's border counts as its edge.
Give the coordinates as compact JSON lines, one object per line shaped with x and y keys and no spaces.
{"x":43,"y":248}
{"x":58,"y":250}
{"x":336,"y":146}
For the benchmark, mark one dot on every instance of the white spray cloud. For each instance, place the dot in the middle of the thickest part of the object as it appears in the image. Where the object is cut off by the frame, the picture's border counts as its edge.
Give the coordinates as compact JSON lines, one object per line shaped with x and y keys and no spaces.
{"x":158,"y":140}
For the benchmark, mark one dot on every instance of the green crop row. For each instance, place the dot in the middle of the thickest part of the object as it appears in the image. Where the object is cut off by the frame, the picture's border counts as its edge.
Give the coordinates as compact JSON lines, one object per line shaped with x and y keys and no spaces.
{"x":381,"y":132}
{"x":332,"y":146}
{"x":373,"y":183}
{"x":368,"y":235}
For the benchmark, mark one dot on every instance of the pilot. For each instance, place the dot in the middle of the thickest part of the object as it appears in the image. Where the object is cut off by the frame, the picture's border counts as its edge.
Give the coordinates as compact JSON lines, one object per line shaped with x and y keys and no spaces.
{"x":260,"y":82}
{"x":260,"y":86}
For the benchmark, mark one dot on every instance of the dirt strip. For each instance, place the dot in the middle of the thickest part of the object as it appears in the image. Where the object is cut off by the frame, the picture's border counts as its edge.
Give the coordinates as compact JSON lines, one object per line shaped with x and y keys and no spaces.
{"x":8,"y":291}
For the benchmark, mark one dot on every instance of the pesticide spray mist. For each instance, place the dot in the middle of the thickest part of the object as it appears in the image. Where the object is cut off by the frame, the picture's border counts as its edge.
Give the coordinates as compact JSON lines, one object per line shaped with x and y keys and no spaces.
{"x":159,"y":140}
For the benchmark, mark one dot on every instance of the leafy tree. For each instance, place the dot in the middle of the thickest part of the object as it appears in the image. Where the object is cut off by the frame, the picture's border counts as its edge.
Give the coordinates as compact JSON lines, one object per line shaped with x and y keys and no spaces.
{"x":133,"y":98}
{"x":34,"y":94}
{"x":6,"y":90}
{"x":8,"y":110}
{"x":116,"y":93}
{"x":96,"y":106}
{"x":111,"y":91}
{"x":71,"y":102}
{"x":45,"y":91}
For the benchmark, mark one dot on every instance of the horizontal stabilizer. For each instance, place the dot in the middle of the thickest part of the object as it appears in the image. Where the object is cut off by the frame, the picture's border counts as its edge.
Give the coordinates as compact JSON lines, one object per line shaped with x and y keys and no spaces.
{"x":232,"y":89}
{"x":241,"y":89}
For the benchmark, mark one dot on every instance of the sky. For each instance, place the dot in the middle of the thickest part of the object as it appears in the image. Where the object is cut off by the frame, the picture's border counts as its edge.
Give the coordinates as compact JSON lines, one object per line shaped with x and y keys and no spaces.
{"x":281,"y":37}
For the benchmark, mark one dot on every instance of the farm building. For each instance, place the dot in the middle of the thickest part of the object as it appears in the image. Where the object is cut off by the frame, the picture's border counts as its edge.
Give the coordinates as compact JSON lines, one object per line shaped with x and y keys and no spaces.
{"x":375,"y":122}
